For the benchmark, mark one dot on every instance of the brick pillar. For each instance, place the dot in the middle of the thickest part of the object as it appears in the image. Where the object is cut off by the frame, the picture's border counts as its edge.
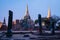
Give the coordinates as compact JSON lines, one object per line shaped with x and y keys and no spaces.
{"x":9,"y":32}
{"x":40,"y":26}
{"x":53,"y":32}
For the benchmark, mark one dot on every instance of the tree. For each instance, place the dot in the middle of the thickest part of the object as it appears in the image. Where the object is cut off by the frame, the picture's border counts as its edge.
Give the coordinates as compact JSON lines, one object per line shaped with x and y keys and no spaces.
{"x":36,"y":21}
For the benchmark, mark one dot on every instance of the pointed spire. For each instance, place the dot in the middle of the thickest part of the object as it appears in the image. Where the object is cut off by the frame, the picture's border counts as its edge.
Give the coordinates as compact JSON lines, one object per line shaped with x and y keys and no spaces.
{"x":4,"y":22}
{"x":27,"y":12}
{"x":49,"y":13}
{"x":27,"y":16}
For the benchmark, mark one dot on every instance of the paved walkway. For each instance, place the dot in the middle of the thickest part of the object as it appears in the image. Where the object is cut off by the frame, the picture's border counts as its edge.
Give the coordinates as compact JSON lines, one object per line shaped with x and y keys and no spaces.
{"x":31,"y":36}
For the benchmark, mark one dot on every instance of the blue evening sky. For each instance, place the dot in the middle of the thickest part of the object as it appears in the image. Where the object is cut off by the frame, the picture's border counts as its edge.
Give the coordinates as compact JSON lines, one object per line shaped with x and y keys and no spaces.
{"x":35,"y":7}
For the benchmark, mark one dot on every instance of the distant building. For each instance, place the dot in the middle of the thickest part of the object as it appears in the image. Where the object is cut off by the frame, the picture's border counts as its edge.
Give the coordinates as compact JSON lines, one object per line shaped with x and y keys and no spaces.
{"x":17,"y":21}
{"x":46,"y":20}
{"x":27,"y":23}
{"x":3,"y":26}
{"x":16,"y":26}
{"x":0,"y":24}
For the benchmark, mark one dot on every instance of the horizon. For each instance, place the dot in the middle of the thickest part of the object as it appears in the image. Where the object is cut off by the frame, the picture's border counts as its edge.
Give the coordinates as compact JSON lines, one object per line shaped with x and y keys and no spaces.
{"x":34,"y":7}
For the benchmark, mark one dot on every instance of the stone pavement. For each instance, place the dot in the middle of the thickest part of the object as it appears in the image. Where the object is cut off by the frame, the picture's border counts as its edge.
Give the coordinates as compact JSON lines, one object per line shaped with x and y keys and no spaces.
{"x":31,"y":36}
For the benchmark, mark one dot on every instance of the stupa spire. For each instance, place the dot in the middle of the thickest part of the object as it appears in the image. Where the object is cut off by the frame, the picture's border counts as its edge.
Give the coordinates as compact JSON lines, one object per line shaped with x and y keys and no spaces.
{"x":4,"y":22}
{"x":49,"y":13}
{"x":27,"y":16}
{"x":27,"y":12}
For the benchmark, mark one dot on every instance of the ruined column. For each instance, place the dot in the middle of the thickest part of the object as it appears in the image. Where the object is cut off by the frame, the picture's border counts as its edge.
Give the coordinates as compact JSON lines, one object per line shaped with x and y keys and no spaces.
{"x":53,"y":32}
{"x":40,"y":25}
{"x":9,"y":32}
